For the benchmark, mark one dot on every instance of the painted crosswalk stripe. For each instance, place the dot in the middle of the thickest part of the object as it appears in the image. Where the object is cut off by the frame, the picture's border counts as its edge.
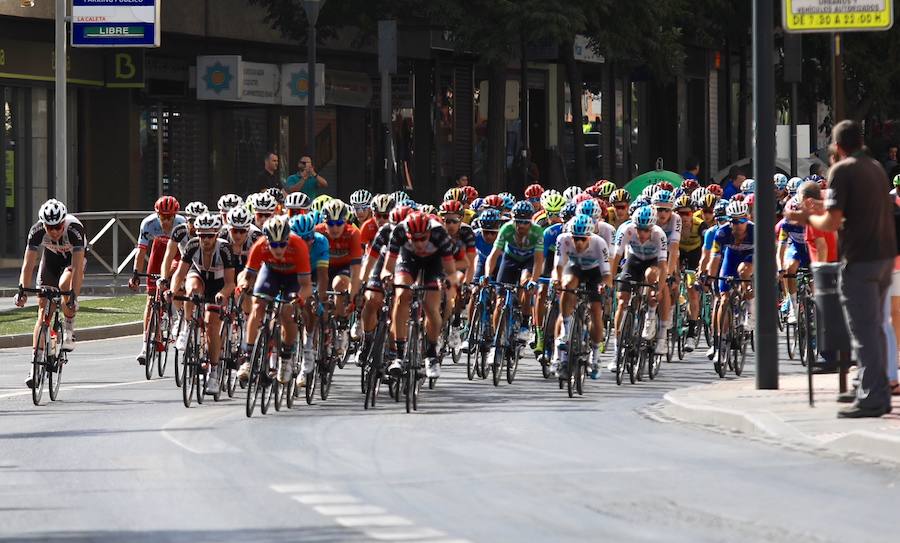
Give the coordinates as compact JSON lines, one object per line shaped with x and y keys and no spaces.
{"x":300,"y":488}
{"x":379,"y":520}
{"x":404,"y":534}
{"x":322,"y":499}
{"x":347,"y":510}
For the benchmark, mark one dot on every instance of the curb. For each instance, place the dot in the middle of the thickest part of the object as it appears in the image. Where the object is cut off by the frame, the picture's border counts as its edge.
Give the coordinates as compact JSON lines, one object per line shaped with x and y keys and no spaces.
{"x":82,"y":334}
{"x":862,"y":443}
{"x":86,"y":290}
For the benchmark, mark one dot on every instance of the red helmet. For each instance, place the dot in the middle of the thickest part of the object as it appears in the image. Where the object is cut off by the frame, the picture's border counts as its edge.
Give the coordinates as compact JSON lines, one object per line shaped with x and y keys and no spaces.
{"x":665,"y":185}
{"x":418,"y":225}
{"x":690,"y":185}
{"x":493,"y":201}
{"x":750,"y":199}
{"x":602,"y":203}
{"x":534,"y":191}
{"x":471,"y":193}
{"x":451,"y":206}
{"x":167,"y":205}
{"x":715,"y":189}
{"x":399,"y":214}
{"x":593,"y":190}
{"x":739,"y":197}
{"x":583,"y":196}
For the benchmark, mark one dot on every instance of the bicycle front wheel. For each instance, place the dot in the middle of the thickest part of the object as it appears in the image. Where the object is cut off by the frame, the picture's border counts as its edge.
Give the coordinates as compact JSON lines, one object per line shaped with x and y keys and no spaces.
{"x":150,"y":341}
{"x":39,"y":365}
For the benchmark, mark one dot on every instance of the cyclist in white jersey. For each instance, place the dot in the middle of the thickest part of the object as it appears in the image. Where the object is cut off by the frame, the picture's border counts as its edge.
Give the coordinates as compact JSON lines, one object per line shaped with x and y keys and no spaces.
{"x":670,"y":223}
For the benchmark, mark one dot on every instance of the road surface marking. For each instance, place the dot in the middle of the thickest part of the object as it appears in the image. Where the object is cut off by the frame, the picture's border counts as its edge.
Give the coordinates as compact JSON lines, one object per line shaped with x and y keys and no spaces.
{"x":344,"y":510}
{"x":79,"y":387}
{"x":404,"y":534}
{"x":379,"y":520}
{"x":299,"y":488}
{"x":323,"y":499}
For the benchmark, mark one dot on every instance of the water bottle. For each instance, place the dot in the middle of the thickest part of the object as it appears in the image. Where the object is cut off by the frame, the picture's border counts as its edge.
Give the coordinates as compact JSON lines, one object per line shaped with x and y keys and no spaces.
{"x":54,"y":351}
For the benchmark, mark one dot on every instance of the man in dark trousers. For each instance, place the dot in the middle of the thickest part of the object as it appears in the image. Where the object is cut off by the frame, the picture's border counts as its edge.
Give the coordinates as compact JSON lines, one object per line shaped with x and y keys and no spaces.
{"x":867,"y":245}
{"x":268,"y":177}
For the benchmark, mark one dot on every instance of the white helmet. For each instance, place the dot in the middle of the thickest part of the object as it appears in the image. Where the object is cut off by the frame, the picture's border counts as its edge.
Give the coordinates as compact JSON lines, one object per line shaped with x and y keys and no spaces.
{"x":239,"y":217}
{"x":53,"y":212}
{"x":383,"y":203}
{"x":361,"y":198}
{"x":195,"y":209}
{"x":229,"y":201}
{"x":264,"y":203}
{"x":748,"y":186}
{"x":277,"y":229}
{"x":571,"y":192}
{"x":208,"y":222}
{"x":297,"y":200}
{"x":738,"y":208}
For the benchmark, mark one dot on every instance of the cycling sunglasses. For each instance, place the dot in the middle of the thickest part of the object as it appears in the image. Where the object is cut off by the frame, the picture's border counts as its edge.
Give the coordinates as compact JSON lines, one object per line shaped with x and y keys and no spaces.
{"x":452,"y":221}
{"x":206,"y":236}
{"x":361,"y":208}
{"x":534,"y":200}
{"x":579,"y":238}
{"x":278,"y":244}
{"x":264,"y":215}
{"x":239,"y":230}
{"x":741,"y":220}
{"x":382,"y":215}
{"x":621,"y":207}
{"x":54,"y":227}
{"x":334,"y":223}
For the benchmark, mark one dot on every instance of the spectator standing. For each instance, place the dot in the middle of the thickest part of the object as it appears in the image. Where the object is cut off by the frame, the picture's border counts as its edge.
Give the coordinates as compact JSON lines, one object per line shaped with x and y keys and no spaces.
{"x":692,"y":169}
{"x":268,"y":177}
{"x":732,"y":184}
{"x":462,"y":181}
{"x":867,"y":247}
{"x":890,"y":160}
{"x":306,"y":179}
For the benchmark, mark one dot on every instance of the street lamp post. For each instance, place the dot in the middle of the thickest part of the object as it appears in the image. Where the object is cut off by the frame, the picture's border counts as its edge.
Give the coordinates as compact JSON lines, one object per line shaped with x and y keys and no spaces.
{"x":312,"y":8}
{"x":61,"y":185}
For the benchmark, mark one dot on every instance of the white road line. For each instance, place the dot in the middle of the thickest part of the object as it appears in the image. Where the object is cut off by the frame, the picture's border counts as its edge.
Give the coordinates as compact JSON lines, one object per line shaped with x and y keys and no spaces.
{"x":299,"y":488}
{"x":80,"y":387}
{"x":323,"y":499}
{"x":341,"y":510}
{"x":379,"y":520}
{"x":404,"y":534}
{"x":196,"y":440}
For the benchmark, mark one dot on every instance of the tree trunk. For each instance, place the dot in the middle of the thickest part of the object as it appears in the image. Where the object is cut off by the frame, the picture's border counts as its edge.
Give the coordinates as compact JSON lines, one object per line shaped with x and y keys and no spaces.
{"x":576,"y":90}
{"x":496,"y":148}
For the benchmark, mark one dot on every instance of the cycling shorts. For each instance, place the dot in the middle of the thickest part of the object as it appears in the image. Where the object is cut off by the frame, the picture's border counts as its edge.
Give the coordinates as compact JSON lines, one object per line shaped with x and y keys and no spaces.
{"x":51,"y":268}
{"x":592,"y":277}
{"x":431,"y":266}
{"x":793,"y":254}
{"x":375,"y":282}
{"x":271,"y":283}
{"x":338,"y":271}
{"x":730,"y":267}
{"x":635,"y":270}
{"x":154,"y":262}
{"x":510,"y":269}
{"x":480,"y":264}
{"x":691,"y":259}
{"x":211,"y":285}
{"x":548,"y":265}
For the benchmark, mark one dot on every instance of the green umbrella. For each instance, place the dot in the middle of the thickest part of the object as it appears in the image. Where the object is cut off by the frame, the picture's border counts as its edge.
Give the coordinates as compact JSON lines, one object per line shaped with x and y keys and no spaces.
{"x":639,"y":183}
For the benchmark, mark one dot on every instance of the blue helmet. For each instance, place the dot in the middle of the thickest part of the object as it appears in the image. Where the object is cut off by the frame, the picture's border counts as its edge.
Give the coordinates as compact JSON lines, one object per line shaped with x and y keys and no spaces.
{"x":781,"y":181}
{"x":664,"y":198}
{"x":316,"y":215}
{"x":407,"y":202}
{"x":304,"y":225}
{"x":748,"y":186}
{"x":477,"y":203}
{"x":637,"y":204}
{"x":508,"y":201}
{"x":523,"y":211}
{"x":590,"y":208}
{"x":568,"y":211}
{"x":490,"y":219}
{"x":720,"y":211}
{"x":793,"y":185}
{"x":644,"y":217}
{"x":506,"y":195}
{"x":582,"y":225}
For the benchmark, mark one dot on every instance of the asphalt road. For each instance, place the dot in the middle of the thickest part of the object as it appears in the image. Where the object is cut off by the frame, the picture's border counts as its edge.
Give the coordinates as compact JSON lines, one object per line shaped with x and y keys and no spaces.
{"x":120,"y":459}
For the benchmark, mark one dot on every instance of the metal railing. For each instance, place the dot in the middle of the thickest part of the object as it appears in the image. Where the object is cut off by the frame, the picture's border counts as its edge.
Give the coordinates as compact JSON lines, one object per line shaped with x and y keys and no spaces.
{"x":105,"y":244}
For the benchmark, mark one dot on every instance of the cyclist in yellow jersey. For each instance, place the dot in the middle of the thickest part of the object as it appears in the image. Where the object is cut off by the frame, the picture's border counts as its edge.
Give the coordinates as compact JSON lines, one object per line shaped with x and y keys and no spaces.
{"x":468,"y":216}
{"x":618,"y":211}
{"x":693,"y":225}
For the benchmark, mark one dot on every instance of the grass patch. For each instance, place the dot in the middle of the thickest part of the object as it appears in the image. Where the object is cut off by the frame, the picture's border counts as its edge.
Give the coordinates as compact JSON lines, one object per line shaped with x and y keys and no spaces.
{"x":99,"y":312}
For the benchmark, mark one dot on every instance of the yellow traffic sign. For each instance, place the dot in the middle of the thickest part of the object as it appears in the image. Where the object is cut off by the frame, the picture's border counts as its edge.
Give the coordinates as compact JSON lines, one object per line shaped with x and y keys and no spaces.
{"x":837,"y":15}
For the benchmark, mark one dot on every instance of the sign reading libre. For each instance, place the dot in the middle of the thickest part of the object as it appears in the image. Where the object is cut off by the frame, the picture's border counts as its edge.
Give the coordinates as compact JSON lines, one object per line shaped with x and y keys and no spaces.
{"x":837,"y":15}
{"x":116,"y":23}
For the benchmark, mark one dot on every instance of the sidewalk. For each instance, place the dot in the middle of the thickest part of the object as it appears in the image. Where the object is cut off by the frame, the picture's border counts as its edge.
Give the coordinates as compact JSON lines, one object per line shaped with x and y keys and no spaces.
{"x":785,"y":416}
{"x":94,"y":285}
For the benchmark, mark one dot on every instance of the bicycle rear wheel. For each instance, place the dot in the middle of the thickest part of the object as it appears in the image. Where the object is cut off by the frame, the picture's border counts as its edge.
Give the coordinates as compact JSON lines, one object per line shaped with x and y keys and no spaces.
{"x":165,"y":335}
{"x":188,"y":369}
{"x":54,"y":373}
{"x":622,"y":346}
{"x":178,"y":357}
{"x":474,"y":343}
{"x":501,"y":339}
{"x":411,"y":383}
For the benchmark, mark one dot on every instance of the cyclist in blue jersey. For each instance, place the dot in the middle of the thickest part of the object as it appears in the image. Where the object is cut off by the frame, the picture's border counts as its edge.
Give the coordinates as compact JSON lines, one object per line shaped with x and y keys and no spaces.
{"x":732,"y":256}
{"x":489,"y":223}
{"x":558,"y":213}
{"x":793,"y":254}
{"x":319,"y":255}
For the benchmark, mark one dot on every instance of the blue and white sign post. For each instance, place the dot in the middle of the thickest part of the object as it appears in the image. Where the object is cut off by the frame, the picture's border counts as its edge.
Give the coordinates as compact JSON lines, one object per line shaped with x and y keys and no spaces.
{"x":116,"y":23}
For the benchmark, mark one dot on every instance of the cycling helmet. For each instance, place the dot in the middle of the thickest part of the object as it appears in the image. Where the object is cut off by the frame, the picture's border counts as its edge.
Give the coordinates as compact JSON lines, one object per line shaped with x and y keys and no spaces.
{"x":665,"y":185}
{"x":690,"y":185}
{"x":781,"y":181}
{"x":54,"y":212}
{"x":620,"y":196}
{"x":303,"y":225}
{"x":508,"y":202}
{"x":663,"y":198}
{"x":453,"y":207}
{"x":571,"y":192}
{"x":477,"y":204}
{"x":792,"y":204}
{"x":399,"y":214}
{"x":604,"y":205}
{"x":739,"y":197}
{"x":523,"y":211}
{"x":814,"y":177}
{"x":793,"y":185}
{"x":721,"y":209}
{"x":208,"y":222}
{"x":751,"y":199}
{"x":277,"y":229}
{"x":263,"y":203}
{"x":408,"y":202}
{"x":716,"y":189}
{"x":684,"y":201}
{"x":319,"y":202}
{"x":552,"y":201}
{"x":361,"y":198}
{"x":297,"y":200}
{"x":606,"y":189}
{"x":582,"y":225}
{"x":506,"y":195}
{"x":593,"y":191}
{"x":635,"y":205}
{"x":316,"y":215}
{"x":737,"y":209}
{"x":649,"y":191}
{"x":644,"y":217}
{"x":534,"y":191}
{"x":229,"y":201}
{"x":418,"y":225}
{"x":897,"y":180}
{"x":490,"y":220}
{"x":336,"y":210}
{"x":195,"y":209}
{"x":276,"y":193}
{"x":748,"y":186}
{"x":166,"y":205}
{"x":428,"y":209}
{"x":471,"y":193}
{"x":239,"y":217}
{"x":457,"y":194}
{"x":583,"y":197}
{"x":699,"y":196}
{"x":383,"y":203}
{"x":399,"y":196}
{"x":568,"y":211}
{"x":589,"y":208}
{"x":493,"y":201}
{"x":708,"y":201}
